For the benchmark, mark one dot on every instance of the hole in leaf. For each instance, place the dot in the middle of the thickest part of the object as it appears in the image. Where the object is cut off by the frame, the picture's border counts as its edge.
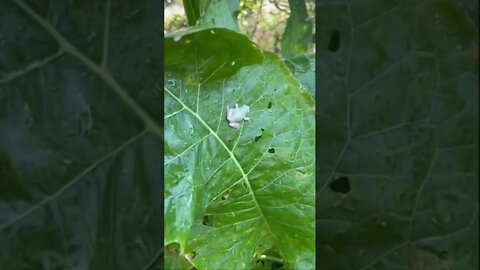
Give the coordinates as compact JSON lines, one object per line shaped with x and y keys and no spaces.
{"x":340,"y":185}
{"x":257,"y":138}
{"x":260,"y":264}
{"x":208,"y":220}
{"x":277,"y":265}
{"x":191,"y":255}
{"x":224,"y":197}
{"x":334,"y":42}
{"x":271,"y":150}
{"x":272,"y":260}
{"x":262,"y":129}
{"x":269,"y":105}
{"x":173,"y":248}
{"x":443,"y":254}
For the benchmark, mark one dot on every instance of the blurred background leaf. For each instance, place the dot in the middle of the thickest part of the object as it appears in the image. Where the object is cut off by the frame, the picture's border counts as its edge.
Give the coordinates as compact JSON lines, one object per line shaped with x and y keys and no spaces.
{"x":398,"y":142}
{"x":298,"y":31}
{"x":80,"y":135}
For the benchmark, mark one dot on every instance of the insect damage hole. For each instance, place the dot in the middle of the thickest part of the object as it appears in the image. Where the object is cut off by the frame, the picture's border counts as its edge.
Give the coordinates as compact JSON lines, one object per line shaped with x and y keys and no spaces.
{"x":269,"y":105}
{"x":277,"y":265}
{"x":208,"y":220}
{"x":334,"y":42}
{"x":191,"y":255}
{"x":443,"y":254}
{"x":340,"y":185}
{"x":271,"y":150}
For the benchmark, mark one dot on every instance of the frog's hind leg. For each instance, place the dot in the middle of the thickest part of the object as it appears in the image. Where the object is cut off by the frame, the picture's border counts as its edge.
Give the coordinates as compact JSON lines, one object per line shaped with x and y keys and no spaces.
{"x":234,"y":125}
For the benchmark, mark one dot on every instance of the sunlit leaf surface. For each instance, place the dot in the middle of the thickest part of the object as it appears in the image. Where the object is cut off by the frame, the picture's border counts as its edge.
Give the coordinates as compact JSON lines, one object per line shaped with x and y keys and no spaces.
{"x":232,"y":194}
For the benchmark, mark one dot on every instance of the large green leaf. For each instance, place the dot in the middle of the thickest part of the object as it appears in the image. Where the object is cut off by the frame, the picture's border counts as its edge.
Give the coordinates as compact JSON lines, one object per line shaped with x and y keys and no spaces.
{"x":80,"y":141}
{"x":231,"y":195}
{"x":398,"y":111}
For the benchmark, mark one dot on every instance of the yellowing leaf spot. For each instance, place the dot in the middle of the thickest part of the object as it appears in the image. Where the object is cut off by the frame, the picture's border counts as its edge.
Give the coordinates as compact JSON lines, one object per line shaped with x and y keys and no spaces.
{"x":190,"y":79}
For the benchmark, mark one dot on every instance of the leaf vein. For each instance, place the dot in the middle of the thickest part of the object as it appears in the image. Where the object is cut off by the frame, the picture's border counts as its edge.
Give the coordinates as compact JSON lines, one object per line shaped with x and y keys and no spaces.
{"x":74,"y":181}
{"x":240,"y":168}
{"x":100,"y":71}
{"x":32,"y":66}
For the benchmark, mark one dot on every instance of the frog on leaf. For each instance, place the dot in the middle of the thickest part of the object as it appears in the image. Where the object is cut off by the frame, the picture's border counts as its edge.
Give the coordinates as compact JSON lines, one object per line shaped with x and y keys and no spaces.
{"x":236,"y":115}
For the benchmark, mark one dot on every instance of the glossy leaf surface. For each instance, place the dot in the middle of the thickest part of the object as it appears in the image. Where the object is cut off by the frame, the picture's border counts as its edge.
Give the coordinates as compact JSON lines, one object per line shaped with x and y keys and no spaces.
{"x":231,"y":194}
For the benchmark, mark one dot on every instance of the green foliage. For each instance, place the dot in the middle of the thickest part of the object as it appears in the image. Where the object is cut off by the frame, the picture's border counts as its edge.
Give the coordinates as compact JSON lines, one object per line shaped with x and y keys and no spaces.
{"x":233,"y":194}
{"x":298,"y":31}
{"x":192,"y":11}
{"x":263,"y":21}
{"x":303,"y":68}
{"x":220,"y":13}
{"x":398,"y":112}
{"x":80,"y":164}
{"x":175,"y":260}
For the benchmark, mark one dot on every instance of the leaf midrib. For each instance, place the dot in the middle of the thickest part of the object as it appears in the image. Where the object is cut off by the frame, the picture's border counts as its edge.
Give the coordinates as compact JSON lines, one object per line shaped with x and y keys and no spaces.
{"x":232,"y":156}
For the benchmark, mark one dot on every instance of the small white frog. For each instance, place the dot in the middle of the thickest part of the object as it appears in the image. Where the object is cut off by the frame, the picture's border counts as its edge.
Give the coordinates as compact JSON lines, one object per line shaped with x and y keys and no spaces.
{"x":236,"y":114}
